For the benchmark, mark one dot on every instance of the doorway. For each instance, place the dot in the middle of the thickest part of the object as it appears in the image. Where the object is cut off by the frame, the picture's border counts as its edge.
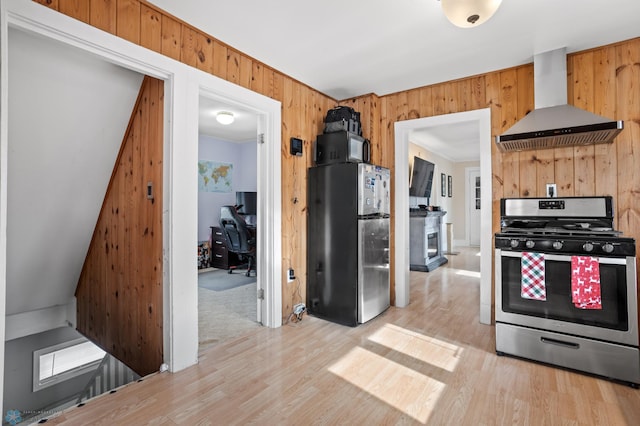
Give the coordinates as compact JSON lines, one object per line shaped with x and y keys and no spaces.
{"x":183,"y":86}
{"x":227,"y":176}
{"x":473,"y":205}
{"x":482,"y":120}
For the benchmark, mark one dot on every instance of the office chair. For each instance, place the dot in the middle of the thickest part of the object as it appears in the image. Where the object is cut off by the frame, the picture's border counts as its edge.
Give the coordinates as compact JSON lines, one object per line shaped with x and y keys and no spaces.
{"x":239,"y":238}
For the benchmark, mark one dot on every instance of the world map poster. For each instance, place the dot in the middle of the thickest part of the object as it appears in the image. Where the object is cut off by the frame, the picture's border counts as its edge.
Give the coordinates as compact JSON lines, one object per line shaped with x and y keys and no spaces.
{"x":214,"y":176}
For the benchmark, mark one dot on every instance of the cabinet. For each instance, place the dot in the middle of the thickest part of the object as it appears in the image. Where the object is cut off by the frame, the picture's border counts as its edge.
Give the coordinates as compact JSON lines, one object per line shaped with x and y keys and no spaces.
{"x":220,"y":256}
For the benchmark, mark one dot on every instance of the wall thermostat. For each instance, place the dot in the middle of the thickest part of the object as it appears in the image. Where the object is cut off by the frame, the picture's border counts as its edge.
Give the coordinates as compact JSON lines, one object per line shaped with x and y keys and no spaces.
{"x":296,"y":147}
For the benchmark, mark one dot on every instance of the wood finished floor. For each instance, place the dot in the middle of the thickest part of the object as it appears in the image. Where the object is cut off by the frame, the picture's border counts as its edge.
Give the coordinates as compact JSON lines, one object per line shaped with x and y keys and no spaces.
{"x":430,"y":363}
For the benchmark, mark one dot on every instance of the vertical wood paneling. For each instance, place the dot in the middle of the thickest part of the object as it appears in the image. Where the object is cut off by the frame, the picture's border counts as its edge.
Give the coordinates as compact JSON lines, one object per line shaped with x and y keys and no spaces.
{"x":119,"y":292}
{"x":171,"y":37}
{"x":128,"y":20}
{"x":413,"y":104}
{"x":509,"y":115}
{"x":233,"y":66}
{"x":78,"y":9}
{"x":197,"y":49}
{"x":545,"y":171}
{"x":477,"y":93}
{"x":605,"y":104}
{"x":190,"y":48}
{"x":628,"y":94}
{"x":439,"y":99}
{"x":220,"y":59}
{"x":245,"y":69}
{"x":257,"y":77}
{"x":102,"y":14}
{"x":425,"y":107}
{"x":150,"y":29}
{"x":53,"y":4}
{"x":583,"y":97}
{"x":528,"y":160}
{"x":563,"y":171}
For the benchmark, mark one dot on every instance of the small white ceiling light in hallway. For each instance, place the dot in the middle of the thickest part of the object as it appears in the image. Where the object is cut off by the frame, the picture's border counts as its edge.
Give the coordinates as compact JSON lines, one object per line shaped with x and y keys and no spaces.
{"x":469,"y":13}
{"x":225,"y":117}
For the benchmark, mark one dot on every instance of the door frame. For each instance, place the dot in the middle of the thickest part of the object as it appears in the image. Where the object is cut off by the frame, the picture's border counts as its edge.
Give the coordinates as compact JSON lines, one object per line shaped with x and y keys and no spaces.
{"x":183,"y":85}
{"x":401,"y":188}
{"x":467,"y":202}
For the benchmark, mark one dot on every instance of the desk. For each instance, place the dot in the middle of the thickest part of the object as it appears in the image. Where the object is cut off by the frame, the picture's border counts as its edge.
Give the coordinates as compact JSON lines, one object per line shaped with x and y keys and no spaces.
{"x":220,"y":256}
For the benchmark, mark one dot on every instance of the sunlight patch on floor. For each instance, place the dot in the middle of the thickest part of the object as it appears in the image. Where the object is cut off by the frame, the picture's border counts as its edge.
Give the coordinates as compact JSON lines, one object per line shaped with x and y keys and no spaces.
{"x":424,"y":348}
{"x":398,"y":386}
{"x":472,"y":274}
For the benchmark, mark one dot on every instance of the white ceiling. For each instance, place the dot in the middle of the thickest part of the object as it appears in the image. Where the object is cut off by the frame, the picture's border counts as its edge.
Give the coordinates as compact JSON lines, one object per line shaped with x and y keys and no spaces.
{"x":350,"y":48}
{"x":243,"y":129}
{"x":455,"y":142}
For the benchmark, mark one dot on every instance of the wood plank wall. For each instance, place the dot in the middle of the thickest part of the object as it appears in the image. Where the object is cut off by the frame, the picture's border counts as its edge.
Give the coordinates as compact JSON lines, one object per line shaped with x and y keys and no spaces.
{"x":603,"y":80}
{"x":119,"y":293}
{"x":303,"y":108}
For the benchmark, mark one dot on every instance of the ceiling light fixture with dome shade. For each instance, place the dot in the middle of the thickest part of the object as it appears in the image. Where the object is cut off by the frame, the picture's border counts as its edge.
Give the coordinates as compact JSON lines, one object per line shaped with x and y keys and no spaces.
{"x":225,"y":117}
{"x":469,"y":13}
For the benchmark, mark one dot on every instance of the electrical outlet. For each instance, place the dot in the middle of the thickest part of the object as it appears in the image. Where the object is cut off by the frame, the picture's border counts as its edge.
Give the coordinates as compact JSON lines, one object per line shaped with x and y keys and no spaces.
{"x":551,"y":190}
{"x":290,"y":275}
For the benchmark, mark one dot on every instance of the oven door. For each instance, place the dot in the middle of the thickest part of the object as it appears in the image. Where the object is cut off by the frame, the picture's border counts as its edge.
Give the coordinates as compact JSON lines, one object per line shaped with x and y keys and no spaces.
{"x":616,"y":322}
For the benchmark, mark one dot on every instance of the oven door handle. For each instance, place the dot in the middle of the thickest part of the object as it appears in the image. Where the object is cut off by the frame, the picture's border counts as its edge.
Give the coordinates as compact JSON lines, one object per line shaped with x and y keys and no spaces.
{"x":562,"y":343}
{"x":564,"y":258}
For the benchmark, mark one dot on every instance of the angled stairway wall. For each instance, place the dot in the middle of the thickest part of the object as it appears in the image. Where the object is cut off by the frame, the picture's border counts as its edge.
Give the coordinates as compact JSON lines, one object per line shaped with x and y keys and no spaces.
{"x":119,"y":292}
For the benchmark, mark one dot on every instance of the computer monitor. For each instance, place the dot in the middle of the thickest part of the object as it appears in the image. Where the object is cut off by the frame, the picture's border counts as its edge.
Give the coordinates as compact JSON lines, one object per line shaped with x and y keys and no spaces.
{"x":248,"y":201}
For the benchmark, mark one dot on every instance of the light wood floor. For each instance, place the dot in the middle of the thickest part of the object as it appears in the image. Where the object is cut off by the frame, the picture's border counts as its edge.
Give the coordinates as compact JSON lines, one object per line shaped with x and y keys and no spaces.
{"x":430,"y":363}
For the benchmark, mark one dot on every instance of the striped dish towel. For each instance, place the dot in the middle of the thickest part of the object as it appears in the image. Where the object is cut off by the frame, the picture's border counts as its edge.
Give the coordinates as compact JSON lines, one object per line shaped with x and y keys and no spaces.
{"x":533,"y":284}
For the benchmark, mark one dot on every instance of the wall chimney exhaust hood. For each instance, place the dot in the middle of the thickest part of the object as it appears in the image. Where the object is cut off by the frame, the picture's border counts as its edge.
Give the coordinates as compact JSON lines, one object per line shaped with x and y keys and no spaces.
{"x":554,"y":123}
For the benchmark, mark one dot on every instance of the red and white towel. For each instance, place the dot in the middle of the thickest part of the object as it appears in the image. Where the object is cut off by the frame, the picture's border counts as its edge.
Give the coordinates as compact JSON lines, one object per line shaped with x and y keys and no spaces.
{"x":533,"y":283}
{"x":585,"y":282}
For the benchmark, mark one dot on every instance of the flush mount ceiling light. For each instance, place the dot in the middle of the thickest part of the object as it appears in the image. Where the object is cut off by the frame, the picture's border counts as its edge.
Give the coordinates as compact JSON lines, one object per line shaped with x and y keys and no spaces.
{"x":469,"y":13}
{"x":225,"y":117}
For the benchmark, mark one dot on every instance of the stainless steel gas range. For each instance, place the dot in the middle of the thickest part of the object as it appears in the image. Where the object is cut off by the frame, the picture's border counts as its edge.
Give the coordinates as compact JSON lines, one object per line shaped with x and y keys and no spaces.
{"x":566,"y":289}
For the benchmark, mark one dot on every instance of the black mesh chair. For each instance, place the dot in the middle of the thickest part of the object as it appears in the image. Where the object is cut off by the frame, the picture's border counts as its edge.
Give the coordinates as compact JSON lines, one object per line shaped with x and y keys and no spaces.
{"x":240,"y":240}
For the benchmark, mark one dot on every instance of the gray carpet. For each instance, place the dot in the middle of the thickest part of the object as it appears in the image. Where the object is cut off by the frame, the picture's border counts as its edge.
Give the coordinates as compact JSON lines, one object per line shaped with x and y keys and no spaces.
{"x":221,"y":280}
{"x":224,"y":315}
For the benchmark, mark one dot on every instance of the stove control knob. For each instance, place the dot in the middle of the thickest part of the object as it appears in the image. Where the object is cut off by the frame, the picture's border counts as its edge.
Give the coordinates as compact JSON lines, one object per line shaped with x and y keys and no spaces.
{"x":530,"y":244}
{"x":608,"y":248}
{"x":557,"y":245}
{"x":587,"y":247}
{"x":514,"y":243}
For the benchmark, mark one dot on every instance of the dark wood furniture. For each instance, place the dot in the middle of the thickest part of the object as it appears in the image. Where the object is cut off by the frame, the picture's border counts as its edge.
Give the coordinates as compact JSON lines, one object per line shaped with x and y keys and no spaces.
{"x":220,"y":256}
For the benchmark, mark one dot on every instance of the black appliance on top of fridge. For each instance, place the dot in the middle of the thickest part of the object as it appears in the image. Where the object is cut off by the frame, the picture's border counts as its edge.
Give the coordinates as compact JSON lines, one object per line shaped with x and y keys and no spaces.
{"x":348,"y":242}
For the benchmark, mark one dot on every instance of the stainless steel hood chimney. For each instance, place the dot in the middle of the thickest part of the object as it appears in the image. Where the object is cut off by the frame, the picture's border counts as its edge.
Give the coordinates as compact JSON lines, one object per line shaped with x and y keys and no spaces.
{"x":554,"y":123}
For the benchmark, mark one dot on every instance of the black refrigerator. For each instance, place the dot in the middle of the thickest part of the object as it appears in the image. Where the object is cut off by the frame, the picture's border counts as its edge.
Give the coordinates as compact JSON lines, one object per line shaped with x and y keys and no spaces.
{"x":348,"y":242}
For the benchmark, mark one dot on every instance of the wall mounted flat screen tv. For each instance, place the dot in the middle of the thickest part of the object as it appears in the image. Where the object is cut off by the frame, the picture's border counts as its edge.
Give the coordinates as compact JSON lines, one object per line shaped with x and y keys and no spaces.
{"x":248,"y":202}
{"x":421,"y":178}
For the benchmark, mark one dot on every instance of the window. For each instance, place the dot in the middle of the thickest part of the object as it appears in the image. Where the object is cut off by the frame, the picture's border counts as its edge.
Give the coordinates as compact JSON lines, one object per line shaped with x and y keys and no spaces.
{"x":62,"y":362}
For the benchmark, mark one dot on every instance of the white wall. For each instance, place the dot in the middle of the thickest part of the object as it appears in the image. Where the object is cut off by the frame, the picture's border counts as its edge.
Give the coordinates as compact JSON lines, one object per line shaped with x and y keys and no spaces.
{"x":445,"y":203}
{"x":68,"y":115}
{"x":459,"y":194}
{"x":455,"y":205}
{"x":243,"y":156}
